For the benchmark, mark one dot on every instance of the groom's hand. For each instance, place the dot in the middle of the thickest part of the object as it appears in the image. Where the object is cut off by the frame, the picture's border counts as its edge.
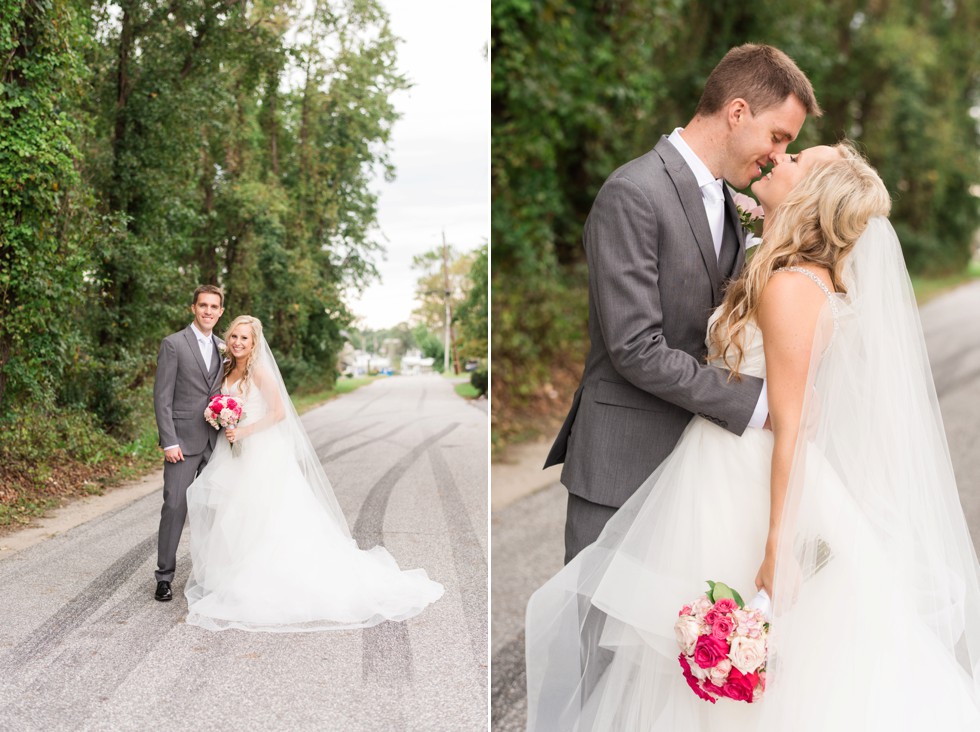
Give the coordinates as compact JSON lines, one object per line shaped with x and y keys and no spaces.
{"x":173,"y":455}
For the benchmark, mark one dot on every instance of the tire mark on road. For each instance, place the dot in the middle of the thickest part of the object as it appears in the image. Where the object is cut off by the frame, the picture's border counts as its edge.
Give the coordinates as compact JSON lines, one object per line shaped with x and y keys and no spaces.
{"x":509,"y":685}
{"x":77,"y":610}
{"x":386,"y":651}
{"x":79,"y":677}
{"x":369,"y":402}
{"x":314,"y":434}
{"x":467,"y":557}
{"x":329,"y":457}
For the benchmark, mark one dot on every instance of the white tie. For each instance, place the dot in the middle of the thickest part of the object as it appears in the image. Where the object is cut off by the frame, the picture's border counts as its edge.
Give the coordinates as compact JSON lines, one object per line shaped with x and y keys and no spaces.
{"x":714,"y":207}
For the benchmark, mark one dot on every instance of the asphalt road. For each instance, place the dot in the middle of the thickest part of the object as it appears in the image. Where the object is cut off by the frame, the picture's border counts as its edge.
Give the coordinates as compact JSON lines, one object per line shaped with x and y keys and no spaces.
{"x":527,"y":534}
{"x":84,"y":646}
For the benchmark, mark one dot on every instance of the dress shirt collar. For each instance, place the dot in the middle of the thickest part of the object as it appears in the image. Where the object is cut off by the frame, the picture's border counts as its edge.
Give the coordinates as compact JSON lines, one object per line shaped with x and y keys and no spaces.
{"x":199,"y":335}
{"x":701,"y":173}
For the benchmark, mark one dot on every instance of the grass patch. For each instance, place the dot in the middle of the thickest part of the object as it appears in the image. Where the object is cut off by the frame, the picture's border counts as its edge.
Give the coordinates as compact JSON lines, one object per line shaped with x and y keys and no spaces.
{"x":466,"y":390}
{"x":928,"y":288}
{"x":306,"y":402}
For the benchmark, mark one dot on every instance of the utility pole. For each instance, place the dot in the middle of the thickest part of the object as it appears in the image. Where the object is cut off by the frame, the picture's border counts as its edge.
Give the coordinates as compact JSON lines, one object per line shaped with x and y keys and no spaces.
{"x":445,"y":299}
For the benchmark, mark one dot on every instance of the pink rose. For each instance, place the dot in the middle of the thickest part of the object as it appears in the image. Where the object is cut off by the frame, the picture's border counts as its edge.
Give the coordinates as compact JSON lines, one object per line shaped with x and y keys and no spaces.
{"x":722,"y":627}
{"x":727,"y":605}
{"x":740,"y":687}
{"x":749,"y":205}
{"x":693,"y":682}
{"x":709,"y":651}
{"x":686,"y":610}
{"x":232,"y":404}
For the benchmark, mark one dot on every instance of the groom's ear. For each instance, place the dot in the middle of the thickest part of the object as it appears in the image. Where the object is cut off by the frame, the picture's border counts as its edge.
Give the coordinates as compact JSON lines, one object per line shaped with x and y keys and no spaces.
{"x":737,"y":110}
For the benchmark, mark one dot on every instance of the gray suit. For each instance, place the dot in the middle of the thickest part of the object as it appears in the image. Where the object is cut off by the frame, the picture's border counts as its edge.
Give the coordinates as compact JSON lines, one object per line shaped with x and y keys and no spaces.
{"x":654,"y":279}
{"x":184,"y":385}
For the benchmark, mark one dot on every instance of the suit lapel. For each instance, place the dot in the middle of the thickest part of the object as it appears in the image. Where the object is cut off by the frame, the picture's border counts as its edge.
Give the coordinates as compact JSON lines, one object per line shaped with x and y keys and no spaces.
{"x":216,"y":356}
{"x":732,"y":210}
{"x":196,"y":350}
{"x":693,"y":205}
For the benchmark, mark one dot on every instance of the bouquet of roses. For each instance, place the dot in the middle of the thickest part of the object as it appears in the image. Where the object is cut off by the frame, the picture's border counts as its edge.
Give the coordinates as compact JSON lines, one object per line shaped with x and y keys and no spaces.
{"x":225,"y":411}
{"x":723,"y":644}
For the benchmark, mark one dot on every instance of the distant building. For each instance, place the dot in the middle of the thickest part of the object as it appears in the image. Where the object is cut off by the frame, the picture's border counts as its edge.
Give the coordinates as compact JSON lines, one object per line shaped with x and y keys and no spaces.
{"x":414,"y":363}
{"x":362,"y":363}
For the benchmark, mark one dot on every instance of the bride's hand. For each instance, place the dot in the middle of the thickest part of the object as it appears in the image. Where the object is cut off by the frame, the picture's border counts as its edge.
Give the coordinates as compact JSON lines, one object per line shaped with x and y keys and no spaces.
{"x":231,"y":435}
{"x":765,"y":579}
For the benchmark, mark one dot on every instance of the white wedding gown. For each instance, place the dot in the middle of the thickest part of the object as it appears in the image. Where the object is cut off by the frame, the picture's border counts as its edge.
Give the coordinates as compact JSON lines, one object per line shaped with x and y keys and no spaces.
{"x":268,"y":554}
{"x":850,"y":653}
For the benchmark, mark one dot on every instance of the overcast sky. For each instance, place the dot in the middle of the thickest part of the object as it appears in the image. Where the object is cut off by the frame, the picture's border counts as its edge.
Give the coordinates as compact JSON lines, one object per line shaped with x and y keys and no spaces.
{"x":440,"y":148}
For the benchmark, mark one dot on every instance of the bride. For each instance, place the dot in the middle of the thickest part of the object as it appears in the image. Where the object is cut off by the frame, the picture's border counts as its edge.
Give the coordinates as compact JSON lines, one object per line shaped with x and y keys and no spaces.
{"x":270,"y":548}
{"x":846,"y":513}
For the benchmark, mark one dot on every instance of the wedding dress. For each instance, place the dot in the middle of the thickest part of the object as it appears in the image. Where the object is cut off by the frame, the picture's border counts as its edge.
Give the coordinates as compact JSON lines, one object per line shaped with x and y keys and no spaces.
{"x":876,"y":614}
{"x":270,"y":548}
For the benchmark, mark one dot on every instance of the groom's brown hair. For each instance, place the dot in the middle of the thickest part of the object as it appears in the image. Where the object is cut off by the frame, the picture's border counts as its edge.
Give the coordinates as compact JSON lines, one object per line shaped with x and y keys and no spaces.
{"x":761,"y":75}
{"x":211,"y":290}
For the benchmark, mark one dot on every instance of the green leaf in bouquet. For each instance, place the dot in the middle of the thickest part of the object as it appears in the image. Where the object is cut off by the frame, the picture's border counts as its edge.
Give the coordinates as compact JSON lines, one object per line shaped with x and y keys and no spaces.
{"x":711,"y":590}
{"x":721,"y":591}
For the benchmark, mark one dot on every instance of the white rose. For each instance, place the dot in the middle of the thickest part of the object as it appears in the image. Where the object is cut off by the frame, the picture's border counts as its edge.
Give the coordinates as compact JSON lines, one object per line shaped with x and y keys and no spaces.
{"x":687,"y":629}
{"x":719,"y":674}
{"x":699,"y":673}
{"x":747,"y":654}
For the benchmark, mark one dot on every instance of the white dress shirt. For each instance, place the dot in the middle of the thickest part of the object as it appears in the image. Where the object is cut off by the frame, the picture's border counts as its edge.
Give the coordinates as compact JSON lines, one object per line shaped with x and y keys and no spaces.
{"x":714,"y":208}
{"x":712,"y":194}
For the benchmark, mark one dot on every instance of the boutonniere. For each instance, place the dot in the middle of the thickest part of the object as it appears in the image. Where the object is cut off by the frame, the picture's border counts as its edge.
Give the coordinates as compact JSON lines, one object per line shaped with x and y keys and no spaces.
{"x":751,"y":216}
{"x":222,"y":348}
{"x":749,"y":211}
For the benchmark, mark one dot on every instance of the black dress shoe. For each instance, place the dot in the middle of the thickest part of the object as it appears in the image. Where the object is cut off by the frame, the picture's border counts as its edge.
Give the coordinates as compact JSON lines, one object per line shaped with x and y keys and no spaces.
{"x":163,"y":592}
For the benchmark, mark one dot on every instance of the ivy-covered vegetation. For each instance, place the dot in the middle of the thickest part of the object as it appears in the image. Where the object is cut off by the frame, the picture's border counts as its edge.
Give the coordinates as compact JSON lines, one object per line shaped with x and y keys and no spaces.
{"x":579,"y":88}
{"x":148,"y":147}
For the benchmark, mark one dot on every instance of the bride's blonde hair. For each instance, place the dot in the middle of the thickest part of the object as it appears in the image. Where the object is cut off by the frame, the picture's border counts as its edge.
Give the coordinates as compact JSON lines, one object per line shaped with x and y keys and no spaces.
{"x":818,"y":223}
{"x":256,"y":327}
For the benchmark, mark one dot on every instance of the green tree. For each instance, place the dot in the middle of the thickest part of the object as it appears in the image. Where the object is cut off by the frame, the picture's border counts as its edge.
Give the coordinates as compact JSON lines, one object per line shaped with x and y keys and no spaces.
{"x":45,"y":214}
{"x":580,"y":88}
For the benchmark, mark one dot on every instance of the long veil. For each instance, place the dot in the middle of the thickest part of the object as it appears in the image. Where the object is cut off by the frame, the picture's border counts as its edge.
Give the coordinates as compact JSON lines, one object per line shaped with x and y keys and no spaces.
{"x":873,"y":524}
{"x":876,"y":615}
{"x":292,"y":430}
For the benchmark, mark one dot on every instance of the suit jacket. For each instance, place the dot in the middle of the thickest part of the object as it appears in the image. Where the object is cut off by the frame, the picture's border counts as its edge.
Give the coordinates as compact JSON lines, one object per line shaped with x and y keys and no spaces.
{"x":653,"y":281}
{"x":183,"y":387}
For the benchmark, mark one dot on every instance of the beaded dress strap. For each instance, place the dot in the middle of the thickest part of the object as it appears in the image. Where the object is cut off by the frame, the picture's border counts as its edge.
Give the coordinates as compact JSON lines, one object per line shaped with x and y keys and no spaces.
{"x":826,"y":290}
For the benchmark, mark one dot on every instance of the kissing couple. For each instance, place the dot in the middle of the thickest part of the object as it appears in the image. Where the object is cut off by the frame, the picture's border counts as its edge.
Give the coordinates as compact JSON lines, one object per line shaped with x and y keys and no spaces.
{"x":845,"y":513}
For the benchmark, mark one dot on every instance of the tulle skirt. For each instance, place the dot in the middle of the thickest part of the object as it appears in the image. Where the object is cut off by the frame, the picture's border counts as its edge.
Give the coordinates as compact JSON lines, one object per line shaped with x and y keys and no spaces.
{"x":267,"y":556}
{"x":851,"y":653}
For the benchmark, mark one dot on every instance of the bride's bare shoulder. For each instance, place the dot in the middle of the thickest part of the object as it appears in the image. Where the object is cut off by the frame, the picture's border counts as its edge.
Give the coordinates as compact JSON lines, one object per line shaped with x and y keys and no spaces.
{"x":792,"y":298}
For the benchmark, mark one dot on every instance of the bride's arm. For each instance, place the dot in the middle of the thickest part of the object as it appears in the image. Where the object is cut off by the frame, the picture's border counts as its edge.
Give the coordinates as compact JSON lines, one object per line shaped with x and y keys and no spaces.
{"x":264,"y":382}
{"x":788,"y":312}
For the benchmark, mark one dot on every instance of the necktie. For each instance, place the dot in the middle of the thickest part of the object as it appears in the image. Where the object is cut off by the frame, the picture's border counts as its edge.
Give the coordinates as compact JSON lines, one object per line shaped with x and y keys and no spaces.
{"x":714,"y":207}
{"x":205,"y":345}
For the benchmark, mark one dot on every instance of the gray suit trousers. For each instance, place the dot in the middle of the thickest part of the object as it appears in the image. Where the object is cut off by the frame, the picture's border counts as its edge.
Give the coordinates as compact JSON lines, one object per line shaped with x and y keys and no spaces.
{"x":584,"y":521}
{"x":177,"y":477}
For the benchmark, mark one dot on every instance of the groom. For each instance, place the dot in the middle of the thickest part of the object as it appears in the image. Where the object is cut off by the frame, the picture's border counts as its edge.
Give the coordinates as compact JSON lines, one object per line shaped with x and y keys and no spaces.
{"x":188,"y":375}
{"x":661,"y":239}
